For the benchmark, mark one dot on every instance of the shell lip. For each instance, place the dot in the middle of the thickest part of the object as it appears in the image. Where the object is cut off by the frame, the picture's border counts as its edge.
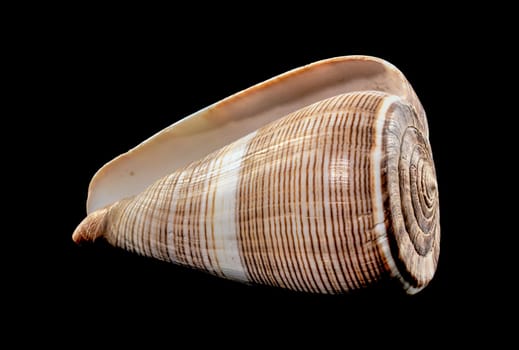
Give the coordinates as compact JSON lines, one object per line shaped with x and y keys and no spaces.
{"x":235,"y":116}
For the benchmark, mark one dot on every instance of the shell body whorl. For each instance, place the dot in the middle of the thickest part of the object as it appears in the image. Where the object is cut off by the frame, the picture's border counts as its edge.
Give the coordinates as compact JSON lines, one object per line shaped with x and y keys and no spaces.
{"x":336,"y":196}
{"x":300,"y":203}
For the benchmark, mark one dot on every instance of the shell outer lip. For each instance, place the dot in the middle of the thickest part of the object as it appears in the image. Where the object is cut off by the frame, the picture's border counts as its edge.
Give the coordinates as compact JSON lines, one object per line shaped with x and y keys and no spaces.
{"x":237,"y":115}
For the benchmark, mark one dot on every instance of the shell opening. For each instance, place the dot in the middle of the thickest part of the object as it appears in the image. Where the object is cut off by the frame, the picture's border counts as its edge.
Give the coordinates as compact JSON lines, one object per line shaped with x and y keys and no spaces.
{"x":203,"y":132}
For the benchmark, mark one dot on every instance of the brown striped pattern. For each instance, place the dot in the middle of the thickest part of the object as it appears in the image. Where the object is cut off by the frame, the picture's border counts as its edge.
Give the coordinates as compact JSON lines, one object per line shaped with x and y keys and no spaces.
{"x":322,"y":200}
{"x":305,"y":199}
{"x":174,"y":219}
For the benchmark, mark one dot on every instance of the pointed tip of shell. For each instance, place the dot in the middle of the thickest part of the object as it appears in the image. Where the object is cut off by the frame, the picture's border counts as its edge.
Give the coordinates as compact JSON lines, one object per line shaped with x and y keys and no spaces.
{"x":91,"y":228}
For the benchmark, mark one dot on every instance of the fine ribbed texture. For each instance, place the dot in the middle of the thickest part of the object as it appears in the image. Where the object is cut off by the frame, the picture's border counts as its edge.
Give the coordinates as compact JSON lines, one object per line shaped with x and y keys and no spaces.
{"x":334,"y":197}
{"x":306,"y":198}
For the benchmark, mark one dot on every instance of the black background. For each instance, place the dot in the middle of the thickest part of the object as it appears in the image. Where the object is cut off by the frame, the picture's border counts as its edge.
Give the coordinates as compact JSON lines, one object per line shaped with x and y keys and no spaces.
{"x":109,"y":87}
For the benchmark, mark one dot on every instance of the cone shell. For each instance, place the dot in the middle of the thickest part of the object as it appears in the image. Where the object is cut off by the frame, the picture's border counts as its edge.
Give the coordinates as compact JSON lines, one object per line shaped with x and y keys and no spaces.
{"x":337,"y":195}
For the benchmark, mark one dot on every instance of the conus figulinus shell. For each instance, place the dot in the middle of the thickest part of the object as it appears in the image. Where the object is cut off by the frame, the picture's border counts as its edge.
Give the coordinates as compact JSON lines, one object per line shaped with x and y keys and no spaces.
{"x":318,"y":180}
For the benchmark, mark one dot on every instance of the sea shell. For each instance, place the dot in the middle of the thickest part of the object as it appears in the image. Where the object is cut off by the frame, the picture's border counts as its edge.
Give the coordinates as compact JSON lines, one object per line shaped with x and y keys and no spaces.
{"x":318,"y":180}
